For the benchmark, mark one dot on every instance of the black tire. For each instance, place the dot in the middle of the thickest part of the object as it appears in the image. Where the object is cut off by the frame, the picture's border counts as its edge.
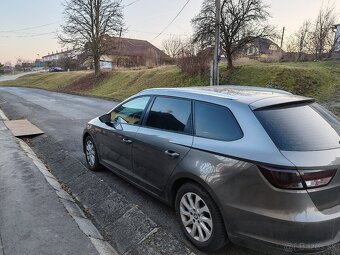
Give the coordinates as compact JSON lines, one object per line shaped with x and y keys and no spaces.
{"x":218,"y":238}
{"x":95,"y":166}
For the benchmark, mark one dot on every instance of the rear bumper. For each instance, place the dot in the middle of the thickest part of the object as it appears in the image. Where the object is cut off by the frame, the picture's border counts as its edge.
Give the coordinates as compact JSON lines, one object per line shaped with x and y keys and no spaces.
{"x":310,"y":232}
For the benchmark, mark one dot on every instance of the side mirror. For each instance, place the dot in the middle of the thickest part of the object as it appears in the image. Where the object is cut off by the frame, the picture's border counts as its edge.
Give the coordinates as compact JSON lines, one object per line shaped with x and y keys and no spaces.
{"x":106,"y":118}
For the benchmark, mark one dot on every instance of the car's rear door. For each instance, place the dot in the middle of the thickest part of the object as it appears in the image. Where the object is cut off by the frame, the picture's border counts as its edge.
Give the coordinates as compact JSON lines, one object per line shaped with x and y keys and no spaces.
{"x":163,"y":141}
{"x":117,"y":137}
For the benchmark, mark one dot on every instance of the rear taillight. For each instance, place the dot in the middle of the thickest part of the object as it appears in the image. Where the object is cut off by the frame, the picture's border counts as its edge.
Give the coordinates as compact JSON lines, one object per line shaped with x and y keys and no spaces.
{"x":283,"y":179}
{"x":293,"y":179}
{"x":318,"y":178}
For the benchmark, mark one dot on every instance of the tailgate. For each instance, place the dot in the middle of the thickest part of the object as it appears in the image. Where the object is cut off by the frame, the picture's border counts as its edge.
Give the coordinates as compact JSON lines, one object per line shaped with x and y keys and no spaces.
{"x":326,"y":197}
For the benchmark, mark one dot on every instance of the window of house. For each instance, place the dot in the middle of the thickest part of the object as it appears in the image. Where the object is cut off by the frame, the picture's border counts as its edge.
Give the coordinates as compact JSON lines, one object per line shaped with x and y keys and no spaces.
{"x":272,"y":47}
{"x":252,"y":50}
{"x":216,"y":122}
{"x":171,"y":114}
{"x":130,"y":112}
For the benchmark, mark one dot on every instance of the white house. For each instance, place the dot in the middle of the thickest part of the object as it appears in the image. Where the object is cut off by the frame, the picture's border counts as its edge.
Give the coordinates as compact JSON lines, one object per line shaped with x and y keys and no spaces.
{"x":60,"y":55}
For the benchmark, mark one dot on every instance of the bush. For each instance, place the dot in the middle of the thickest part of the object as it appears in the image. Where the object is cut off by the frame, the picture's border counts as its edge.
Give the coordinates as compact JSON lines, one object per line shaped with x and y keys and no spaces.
{"x":194,"y":65}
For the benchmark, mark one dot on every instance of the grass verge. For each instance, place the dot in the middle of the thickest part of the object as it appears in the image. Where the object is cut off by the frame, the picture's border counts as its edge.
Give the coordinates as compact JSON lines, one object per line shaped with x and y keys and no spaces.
{"x":320,"y":80}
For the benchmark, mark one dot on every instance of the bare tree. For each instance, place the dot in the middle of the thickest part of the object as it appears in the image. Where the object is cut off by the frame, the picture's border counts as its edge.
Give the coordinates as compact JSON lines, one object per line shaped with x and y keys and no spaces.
{"x":87,"y":22}
{"x":302,"y":38}
{"x":291,"y":44}
{"x":242,"y":22}
{"x":321,"y":36}
{"x":172,"y":46}
{"x":192,"y":60}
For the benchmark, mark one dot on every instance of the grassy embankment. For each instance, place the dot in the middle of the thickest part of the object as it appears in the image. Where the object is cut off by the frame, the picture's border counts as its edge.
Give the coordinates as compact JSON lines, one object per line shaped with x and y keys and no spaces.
{"x":315,"y":79}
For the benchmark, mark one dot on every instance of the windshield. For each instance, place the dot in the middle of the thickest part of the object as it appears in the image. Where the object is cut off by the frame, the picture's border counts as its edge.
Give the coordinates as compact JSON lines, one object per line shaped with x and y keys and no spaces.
{"x":301,"y":128}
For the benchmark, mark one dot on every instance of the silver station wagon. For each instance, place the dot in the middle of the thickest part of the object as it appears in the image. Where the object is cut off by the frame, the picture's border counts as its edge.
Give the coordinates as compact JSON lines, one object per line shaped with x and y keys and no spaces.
{"x":257,"y":167}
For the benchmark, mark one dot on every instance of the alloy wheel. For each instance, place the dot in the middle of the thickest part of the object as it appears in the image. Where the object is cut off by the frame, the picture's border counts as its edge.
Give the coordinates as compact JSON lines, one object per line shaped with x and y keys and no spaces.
{"x":90,"y":153}
{"x":196,"y":217}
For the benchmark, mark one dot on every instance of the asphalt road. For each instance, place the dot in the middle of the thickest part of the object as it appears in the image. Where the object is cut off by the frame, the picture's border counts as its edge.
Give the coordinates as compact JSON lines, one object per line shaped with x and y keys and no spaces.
{"x":63,"y":117}
{"x":10,"y":77}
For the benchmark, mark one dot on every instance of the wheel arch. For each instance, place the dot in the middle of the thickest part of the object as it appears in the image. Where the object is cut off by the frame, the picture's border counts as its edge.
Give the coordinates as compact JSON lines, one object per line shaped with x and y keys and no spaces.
{"x":179,"y":181}
{"x":85,"y":135}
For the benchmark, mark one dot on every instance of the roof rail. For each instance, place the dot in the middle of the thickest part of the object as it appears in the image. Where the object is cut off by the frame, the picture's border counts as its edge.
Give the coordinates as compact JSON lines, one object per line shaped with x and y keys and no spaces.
{"x":265,"y":89}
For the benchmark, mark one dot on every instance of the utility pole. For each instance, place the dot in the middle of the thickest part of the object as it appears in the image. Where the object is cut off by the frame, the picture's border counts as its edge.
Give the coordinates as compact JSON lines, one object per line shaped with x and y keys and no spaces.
{"x":283,"y":34}
{"x":216,"y":71}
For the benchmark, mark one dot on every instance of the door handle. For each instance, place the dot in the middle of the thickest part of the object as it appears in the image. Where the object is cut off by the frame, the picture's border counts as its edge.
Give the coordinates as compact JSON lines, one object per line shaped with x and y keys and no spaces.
{"x":128,"y":141}
{"x":171,"y":154}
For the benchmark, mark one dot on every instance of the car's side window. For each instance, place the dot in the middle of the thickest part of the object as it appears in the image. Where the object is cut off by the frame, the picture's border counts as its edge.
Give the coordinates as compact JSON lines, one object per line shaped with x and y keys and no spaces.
{"x":216,"y":122}
{"x":173,"y":114}
{"x":130,"y":112}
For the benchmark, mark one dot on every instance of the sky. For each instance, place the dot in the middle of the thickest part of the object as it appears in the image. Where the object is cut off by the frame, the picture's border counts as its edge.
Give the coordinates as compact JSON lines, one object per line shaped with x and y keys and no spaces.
{"x":28,"y":28}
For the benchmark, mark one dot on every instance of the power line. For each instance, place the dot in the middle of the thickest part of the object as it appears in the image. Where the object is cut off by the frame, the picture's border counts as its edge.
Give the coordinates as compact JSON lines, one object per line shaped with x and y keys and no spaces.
{"x":172,"y":21}
{"x":154,"y":33}
{"x":27,"y":28}
{"x":26,"y":36}
{"x":131,"y":3}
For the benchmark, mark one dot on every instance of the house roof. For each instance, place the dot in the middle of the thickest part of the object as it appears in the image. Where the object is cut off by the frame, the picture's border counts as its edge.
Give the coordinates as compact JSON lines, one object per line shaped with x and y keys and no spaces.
{"x":264,"y":45}
{"x":130,"y":47}
{"x":58,"y":53}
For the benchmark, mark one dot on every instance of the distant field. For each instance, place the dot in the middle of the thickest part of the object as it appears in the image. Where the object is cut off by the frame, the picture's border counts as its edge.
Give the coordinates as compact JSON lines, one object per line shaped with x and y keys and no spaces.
{"x":315,"y":79}
{"x":48,"y":81}
{"x":320,"y":80}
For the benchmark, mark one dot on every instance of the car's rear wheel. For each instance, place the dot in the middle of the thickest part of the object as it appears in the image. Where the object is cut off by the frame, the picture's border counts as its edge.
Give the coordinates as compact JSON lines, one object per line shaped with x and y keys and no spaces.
{"x":200,"y":218}
{"x":91,"y":154}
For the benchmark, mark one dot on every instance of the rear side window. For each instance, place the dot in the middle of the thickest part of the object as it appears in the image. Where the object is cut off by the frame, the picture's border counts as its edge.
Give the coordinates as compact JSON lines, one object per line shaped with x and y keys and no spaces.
{"x":216,"y":122}
{"x":301,"y":128}
{"x":171,"y":114}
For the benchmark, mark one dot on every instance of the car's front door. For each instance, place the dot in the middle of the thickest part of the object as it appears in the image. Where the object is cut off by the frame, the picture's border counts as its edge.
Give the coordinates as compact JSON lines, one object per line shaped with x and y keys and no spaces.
{"x":163,"y":141}
{"x":117,"y":137}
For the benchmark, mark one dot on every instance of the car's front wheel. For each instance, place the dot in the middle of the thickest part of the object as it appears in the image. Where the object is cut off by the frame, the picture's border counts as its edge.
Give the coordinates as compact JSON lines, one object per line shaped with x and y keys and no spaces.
{"x":200,"y":218}
{"x":91,"y":154}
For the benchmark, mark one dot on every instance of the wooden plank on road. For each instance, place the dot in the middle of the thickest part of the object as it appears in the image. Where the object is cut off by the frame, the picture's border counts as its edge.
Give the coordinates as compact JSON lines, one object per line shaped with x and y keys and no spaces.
{"x":22,"y":128}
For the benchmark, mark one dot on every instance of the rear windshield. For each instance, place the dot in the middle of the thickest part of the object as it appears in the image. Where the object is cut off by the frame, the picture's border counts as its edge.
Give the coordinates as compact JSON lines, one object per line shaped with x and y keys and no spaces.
{"x":301,"y":128}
